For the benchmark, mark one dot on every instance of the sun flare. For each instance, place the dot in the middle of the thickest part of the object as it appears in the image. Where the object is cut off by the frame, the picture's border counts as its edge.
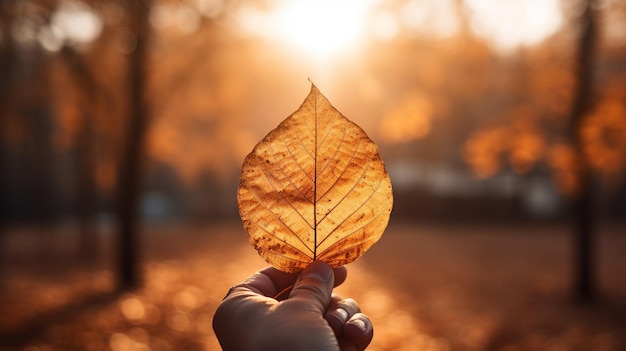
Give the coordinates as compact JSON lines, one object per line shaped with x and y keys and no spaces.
{"x":321,"y":28}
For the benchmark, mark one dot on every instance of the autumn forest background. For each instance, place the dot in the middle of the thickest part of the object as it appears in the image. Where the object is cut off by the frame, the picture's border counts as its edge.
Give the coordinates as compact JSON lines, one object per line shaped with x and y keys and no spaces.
{"x":124,"y":123}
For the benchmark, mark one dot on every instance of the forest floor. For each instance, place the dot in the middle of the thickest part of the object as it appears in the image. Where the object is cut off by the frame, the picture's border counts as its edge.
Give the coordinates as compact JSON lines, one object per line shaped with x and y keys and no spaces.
{"x":425,"y":287}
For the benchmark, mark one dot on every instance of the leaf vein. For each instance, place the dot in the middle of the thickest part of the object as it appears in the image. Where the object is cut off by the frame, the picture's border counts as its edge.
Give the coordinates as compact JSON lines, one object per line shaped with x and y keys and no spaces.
{"x":276,"y":215}
{"x":344,"y":170}
{"x":282,"y":170}
{"x":286,"y":242}
{"x":348,"y":192}
{"x":297,"y":137}
{"x":330,"y":129}
{"x":283,"y":198}
{"x":330,"y":159}
{"x":351,"y":214}
{"x":349,"y":235}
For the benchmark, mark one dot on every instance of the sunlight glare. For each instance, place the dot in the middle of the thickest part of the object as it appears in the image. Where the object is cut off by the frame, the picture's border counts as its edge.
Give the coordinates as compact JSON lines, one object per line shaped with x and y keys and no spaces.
{"x":320,"y":28}
{"x":210,"y":8}
{"x":78,"y":22}
{"x":385,"y":26}
{"x":510,"y":24}
{"x":430,"y":17}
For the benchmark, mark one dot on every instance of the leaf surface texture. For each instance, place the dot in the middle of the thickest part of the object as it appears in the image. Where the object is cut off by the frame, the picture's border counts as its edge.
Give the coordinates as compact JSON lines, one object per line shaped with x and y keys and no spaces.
{"x":315,"y":188}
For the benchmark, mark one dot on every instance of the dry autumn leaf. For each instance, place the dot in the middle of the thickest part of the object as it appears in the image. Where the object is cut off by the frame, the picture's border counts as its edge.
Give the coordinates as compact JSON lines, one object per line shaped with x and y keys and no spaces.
{"x":315,"y":188}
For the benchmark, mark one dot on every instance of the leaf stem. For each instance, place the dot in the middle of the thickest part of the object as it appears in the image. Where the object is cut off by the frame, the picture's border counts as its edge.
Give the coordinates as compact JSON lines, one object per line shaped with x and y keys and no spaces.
{"x":283,"y":294}
{"x":315,"y":183}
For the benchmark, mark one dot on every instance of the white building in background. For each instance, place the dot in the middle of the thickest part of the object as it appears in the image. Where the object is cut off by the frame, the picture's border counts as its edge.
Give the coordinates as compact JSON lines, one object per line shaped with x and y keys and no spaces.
{"x":537,"y":194}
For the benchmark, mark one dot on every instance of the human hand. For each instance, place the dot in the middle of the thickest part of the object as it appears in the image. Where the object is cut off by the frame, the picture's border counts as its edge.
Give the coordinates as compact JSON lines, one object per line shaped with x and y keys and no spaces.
{"x":311,"y":318}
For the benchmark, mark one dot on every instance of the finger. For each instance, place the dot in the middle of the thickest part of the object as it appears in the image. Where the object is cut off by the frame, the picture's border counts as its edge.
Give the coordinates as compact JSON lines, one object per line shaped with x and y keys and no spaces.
{"x":341,"y":273}
{"x":340,"y":276}
{"x":339,"y":312}
{"x":358,"y":331}
{"x":280,"y":280}
{"x":314,"y":285}
{"x":334,"y":299}
{"x":272,"y":282}
{"x":267,"y":282}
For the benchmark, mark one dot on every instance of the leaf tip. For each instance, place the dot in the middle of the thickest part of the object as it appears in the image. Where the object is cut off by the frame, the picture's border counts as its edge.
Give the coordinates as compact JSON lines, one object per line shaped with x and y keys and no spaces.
{"x":313,"y":86}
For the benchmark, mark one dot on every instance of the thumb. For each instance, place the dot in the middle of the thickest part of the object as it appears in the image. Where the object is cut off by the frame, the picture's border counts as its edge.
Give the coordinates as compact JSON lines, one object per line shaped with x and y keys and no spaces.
{"x":314,"y":286}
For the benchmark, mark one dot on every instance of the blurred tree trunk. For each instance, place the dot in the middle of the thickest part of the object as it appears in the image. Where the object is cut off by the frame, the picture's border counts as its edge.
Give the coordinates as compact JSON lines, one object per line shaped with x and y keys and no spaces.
{"x":582,"y":201}
{"x":87,"y":197}
{"x":86,"y":193}
{"x":34,"y":100}
{"x":7,"y":67}
{"x":130,"y":173}
{"x":39,"y":146}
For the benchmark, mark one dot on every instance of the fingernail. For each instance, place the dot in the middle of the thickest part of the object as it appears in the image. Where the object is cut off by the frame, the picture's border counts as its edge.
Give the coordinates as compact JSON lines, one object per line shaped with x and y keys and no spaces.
{"x":340,"y":314}
{"x":359,"y":324}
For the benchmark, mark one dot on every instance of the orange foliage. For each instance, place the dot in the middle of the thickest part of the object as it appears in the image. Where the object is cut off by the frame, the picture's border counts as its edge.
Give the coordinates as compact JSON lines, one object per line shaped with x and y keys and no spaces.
{"x":551,"y":82}
{"x":526,"y":144}
{"x":526,"y":148}
{"x":563,"y":160}
{"x":604,"y":137}
{"x":483,"y":149}
{"x":411,"y":120}
{"x":521,"y":142}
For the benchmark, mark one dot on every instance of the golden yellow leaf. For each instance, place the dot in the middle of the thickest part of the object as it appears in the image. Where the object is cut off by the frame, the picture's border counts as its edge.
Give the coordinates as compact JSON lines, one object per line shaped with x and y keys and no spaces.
{"x":315,"y":188}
